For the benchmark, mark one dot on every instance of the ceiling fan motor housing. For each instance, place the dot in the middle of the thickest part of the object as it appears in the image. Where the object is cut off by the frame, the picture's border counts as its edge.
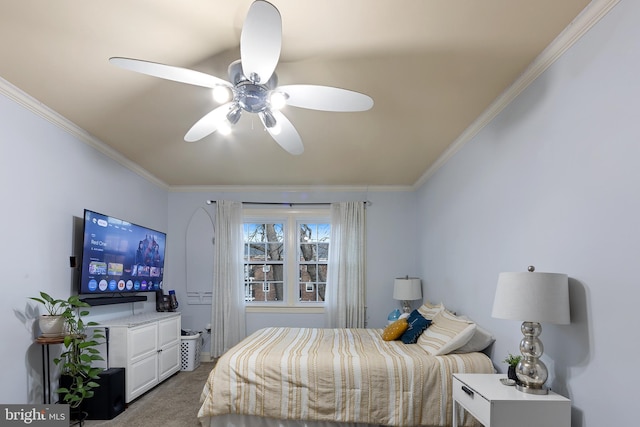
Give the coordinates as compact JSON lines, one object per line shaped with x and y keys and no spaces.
{"x":251,"y":96}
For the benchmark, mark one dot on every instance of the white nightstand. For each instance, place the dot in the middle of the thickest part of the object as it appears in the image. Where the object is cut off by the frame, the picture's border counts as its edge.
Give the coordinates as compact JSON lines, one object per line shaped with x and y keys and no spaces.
{"x":497,"y":405}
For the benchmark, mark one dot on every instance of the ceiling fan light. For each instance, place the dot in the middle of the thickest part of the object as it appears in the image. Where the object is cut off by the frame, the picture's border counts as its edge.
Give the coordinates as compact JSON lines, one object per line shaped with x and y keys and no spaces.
{"x":277,"y":99}
{"x":221,"y":94}
{"x":224,"y":128}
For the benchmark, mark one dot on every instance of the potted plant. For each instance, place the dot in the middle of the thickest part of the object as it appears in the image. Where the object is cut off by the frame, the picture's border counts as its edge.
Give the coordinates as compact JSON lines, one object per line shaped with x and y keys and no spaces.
{"x":51,"y":324}
{"x":512,"y":361}
{"x":77,"y":373}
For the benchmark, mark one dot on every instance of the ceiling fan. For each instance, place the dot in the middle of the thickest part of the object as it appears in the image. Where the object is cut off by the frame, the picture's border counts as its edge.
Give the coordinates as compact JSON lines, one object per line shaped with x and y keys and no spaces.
{"x":253,"y":84}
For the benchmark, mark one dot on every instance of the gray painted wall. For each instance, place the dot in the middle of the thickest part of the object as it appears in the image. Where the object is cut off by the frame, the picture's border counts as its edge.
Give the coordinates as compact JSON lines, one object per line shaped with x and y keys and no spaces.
{"x":47,"y":179}
{"x":554,"y":182}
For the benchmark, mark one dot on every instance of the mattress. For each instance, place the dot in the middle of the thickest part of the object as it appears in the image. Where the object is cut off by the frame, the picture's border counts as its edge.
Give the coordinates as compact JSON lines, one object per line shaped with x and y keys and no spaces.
{"x":309,"y":375}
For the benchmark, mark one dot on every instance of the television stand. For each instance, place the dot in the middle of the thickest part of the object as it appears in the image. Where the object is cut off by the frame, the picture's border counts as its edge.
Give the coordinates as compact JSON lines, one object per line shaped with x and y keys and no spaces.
{"x":113,"y":300}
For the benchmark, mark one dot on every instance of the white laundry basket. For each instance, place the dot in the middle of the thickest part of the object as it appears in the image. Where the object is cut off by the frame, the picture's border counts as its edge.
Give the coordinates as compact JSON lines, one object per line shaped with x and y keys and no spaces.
{"x":190,"y":352}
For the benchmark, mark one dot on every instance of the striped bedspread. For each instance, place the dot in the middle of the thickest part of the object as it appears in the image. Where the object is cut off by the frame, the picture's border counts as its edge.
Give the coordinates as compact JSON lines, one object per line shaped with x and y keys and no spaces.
{"x":343,"y":375}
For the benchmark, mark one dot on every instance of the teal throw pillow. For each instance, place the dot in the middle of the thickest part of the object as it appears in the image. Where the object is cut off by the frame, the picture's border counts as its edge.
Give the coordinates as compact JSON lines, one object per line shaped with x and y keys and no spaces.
{"x":417,"y":325}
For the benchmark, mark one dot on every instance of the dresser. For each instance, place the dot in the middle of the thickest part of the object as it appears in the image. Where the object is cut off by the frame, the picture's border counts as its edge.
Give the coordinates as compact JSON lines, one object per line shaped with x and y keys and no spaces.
{"x":498,"y":405}
{"x":147,"y":346}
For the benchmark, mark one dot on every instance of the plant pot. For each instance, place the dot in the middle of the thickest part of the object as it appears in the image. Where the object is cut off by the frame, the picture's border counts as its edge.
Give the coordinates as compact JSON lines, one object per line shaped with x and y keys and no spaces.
{"x":511,"y":373}
{"x":51,"y":326}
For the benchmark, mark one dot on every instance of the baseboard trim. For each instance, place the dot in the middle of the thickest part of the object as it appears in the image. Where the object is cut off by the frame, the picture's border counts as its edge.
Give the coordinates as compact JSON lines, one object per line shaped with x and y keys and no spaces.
{"x":205,"y":357}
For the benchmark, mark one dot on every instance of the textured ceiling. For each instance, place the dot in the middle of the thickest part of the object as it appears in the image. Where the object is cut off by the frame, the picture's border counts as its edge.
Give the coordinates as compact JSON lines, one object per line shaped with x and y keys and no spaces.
{"x":431,"y":66}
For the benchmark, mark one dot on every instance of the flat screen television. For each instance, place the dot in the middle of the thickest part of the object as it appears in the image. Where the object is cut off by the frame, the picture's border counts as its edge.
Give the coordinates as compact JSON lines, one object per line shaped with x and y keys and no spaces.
{"x":120,"y":257}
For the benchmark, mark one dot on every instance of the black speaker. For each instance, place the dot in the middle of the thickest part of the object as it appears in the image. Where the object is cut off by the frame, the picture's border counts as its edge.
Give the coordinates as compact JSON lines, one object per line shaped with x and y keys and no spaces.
{"x":108,"y":399}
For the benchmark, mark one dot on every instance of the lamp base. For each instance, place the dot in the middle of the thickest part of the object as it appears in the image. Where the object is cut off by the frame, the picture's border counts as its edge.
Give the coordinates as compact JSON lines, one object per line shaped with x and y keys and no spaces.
{"x":530,"y":390}
{"x":406,"y":306}
{"x":531,"y":371}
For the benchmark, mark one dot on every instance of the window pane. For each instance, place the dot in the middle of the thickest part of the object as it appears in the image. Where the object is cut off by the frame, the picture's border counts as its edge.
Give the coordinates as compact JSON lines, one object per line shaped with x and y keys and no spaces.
{"x":321,"y":291}
{"x":323,"y":252}
{"x":308,"y":273}
{"x":308,"y":252}
{"x":313,"y":254}
{"x":311,"y":292}
{"x":322,"y":272}
{"x":308,"y":292}
{"x":268,"y":291}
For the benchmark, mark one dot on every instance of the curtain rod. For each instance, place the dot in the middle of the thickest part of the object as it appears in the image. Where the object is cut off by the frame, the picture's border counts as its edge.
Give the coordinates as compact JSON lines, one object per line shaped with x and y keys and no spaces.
{"x":366,"y":203}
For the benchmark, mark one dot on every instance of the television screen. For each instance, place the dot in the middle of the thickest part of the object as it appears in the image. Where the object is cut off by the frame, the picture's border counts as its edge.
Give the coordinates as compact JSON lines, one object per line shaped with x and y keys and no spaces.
{"x":120,"y":257}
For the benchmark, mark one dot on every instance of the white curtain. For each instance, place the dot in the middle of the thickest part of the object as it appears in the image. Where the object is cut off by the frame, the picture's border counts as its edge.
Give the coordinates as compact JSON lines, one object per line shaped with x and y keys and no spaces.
{"x":345,"y":299}
{"x":227,"y":316}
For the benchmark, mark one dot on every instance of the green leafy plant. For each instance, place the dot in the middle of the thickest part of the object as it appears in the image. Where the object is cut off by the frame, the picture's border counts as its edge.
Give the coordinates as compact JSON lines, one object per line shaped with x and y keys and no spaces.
{"x":512,"y":360}
{"x":79,"y":353}
{"x":53,"y":307}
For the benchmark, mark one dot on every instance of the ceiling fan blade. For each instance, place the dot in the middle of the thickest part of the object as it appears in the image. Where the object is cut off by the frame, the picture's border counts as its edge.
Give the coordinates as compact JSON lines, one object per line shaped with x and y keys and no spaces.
{"x":287,"y":137}
{"x":260,"y":41}
{"x":209,"y":123}
{"x":169,"y":72}
{"x":326,"y":98}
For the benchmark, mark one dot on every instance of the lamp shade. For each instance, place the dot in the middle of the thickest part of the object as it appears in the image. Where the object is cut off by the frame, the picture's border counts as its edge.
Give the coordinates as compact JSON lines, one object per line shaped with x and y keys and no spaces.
{"x":532,"y":297}
{"x":407,"y":289}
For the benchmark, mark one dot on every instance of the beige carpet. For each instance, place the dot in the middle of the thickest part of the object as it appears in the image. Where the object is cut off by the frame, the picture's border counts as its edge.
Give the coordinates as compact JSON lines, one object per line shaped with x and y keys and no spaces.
{"x":174,"y":403}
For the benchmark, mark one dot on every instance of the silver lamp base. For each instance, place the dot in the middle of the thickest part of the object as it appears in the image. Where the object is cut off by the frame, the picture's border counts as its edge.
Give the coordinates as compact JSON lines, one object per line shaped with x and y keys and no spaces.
{"x":531,"y":390}
{"x":406,"y":306}
{"x":531,"y":371}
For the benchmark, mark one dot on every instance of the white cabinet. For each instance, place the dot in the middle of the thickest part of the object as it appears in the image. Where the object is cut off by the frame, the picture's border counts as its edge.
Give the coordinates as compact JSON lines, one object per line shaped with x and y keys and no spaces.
{"x":497,"y":405}
{"x":147,"y":346}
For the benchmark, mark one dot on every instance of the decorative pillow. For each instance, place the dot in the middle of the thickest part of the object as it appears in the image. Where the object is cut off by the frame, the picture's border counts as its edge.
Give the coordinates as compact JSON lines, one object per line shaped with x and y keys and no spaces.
{"x":417,"y":325}
{"x":446,"y":334}
{"x":429,"y":310}
{"x":480,"y":340}
{"x":395,"y":330}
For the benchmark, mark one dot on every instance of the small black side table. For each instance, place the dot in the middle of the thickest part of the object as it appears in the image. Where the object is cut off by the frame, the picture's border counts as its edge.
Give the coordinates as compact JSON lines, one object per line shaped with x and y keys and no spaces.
{"x":45,"y":342}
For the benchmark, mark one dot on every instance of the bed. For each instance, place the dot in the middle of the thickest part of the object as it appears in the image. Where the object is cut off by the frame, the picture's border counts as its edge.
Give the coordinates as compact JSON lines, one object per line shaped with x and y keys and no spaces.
{"x":282,"y":376}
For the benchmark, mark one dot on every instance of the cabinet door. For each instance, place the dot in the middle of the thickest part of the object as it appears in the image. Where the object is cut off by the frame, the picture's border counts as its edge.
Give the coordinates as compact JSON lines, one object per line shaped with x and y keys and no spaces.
{"x":168,"y":361}
{"x":168,"y":332}
{"x":169,"y":347}
{"x":141,"y":376}
{"x":142,"y":341}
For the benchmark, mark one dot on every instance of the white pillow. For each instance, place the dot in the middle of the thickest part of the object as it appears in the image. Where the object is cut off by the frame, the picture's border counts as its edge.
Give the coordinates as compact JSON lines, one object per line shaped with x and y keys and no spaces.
{"x":446,"y":333}
{"x":429,"y":310}
{"x":480,"y":340}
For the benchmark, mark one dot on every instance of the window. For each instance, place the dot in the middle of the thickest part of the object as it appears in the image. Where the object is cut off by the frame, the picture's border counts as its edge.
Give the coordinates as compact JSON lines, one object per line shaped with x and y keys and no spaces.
{"x":285,"y":257}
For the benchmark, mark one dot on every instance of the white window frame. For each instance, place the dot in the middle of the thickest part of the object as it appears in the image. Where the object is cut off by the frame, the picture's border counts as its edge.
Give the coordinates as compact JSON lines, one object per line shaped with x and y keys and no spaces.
{"x":290,"y":218}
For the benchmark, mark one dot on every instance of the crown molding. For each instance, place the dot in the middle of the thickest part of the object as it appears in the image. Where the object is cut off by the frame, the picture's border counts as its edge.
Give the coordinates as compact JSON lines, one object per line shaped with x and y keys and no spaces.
{"x":287,"y":188}
{"x":589,"y":16}
{"x":20,"y":97}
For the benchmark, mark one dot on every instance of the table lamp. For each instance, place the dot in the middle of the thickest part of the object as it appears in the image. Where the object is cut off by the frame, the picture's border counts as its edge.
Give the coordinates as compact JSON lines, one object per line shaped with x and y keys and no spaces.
{"x":407,"y":289}
{"x":533,"y":298}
